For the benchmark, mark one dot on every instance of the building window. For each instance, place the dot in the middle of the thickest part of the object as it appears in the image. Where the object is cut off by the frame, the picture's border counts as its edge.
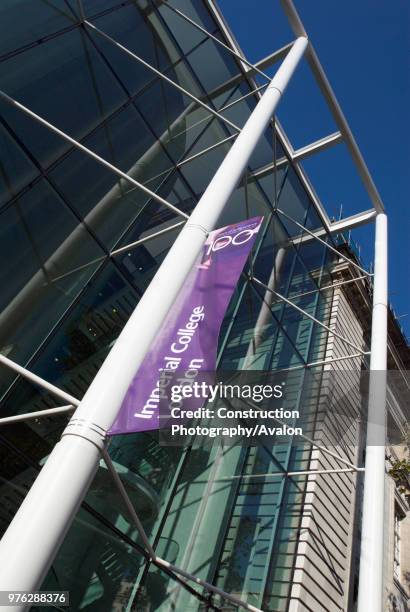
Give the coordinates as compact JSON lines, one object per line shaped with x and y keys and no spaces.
{"x":397,"y":543}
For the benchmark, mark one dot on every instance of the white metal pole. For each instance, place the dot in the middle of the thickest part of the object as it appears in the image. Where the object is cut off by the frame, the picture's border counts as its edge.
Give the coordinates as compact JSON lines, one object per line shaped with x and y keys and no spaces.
{"x":286,"y":474}
{"x":371,"y":553}
{"x":38,"y":414}
{"x":37,"y":380}
{"x":38,"y":528}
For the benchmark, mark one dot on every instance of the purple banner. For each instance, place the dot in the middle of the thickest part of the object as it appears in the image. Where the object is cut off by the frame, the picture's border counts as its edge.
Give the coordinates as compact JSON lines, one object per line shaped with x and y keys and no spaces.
{"x":188,"y":339}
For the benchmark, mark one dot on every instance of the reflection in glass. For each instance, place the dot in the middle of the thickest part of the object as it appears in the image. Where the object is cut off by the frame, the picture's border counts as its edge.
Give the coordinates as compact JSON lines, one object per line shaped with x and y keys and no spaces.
{"x":46,"y":268}
{"x":62,"y":80}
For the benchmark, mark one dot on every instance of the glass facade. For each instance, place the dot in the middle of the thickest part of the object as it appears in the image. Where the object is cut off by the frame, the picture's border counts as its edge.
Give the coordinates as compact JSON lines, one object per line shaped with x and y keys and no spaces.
{"x":66,"y":293}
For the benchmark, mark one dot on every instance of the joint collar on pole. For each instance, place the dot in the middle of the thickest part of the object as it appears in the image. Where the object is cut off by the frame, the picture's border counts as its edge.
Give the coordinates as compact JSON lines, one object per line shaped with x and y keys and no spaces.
{"x":88,"y":430}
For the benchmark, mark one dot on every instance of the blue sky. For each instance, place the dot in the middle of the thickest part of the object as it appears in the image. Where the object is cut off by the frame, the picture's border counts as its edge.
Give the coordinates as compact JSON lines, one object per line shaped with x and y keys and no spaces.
{"x":364,"y":47}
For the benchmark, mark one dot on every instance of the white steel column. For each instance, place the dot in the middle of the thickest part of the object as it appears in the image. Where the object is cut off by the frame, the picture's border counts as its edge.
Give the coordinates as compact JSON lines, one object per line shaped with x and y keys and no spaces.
{"x":371,"y":596}
{"x":37,"y":530}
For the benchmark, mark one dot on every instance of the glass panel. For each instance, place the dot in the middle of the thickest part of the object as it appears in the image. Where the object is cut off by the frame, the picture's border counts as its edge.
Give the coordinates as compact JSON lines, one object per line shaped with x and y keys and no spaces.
{"x":158,"y":589}
{"x":78,"y":347}
{"x":172,"y":116}
{"x":238,"y":113}
{"x":108,"y":204}
{"x":302,"y":280}
{"x":16,"y":170}
{"x":269,"y":183}
{"x":128,"y":27}
{"x":24,"y":22}
{"x":200,"y":171}
{"x":213,"y":64}
{"x":239,"y":348}
{"x":313,"y":220}
{"x":93,"y":7}
{"x":297,"y":329}
{"x":190,"y":536}
{"x":33,"y":439}
{"x":320,"y":337}
{"x":49,"y":258}
{"x":17,"y":472}
{"x":142,"y":262}
{"x":313,"y":254}
{"x":67,"y":83}
{"x":294,"y":201}
{"x":223,"y":96}
{"x":203,"y":130}
{"x":253,"y":535}
{"x":275,"y":256}
{"x":242,"y":206}
{"x":187,"y":35}
{"x":95,"y":565}
{"x":147,"y":471}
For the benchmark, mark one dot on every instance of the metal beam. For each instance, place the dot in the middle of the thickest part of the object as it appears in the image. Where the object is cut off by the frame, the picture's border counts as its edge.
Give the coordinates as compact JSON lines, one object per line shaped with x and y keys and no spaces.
{"x":338,"y":227}
{"x":37,"y":380}
{"x":133,"y":245}
{"x":310,"y":441}
{"x":362,"y":218}
{"x":326,"y":244}
{"x":38,"y":414}
{"x":287,"y":474}
{"x":322,"y":362}
{"x":100,"y":160}
{"x":332,"y":286}
{"x":214,"y":38}
{"x":299,"y":154}
{"x":327,"y":92}
{"x":162,"y":76}
{"x":315,"y":147}
{"x":306,"y":314}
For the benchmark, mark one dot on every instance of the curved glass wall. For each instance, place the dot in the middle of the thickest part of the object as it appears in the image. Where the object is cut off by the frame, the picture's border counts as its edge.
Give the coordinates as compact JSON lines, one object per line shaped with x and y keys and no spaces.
{"x":66,"y":293}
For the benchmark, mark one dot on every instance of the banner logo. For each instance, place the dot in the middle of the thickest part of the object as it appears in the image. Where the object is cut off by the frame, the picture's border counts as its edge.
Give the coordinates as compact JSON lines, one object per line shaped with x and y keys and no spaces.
{"x":188,"y":339}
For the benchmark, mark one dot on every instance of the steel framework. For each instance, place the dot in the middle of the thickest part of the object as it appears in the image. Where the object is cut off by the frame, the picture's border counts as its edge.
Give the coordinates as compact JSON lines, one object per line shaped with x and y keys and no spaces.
{"x":37,"y":530}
